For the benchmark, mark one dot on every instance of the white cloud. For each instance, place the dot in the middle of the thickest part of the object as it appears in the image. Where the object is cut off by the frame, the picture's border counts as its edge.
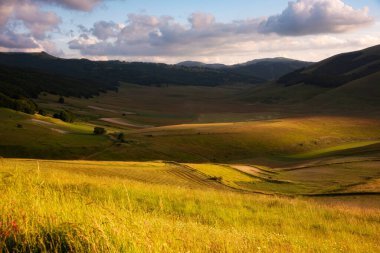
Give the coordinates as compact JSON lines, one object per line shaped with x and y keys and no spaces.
{"x":38,"y":22}
{"x":24,"y":24}
{"x":35,"y":24}
{"x":315,"y":17}
{"x":81,"y":5}
{"x":304,"y":27}
{"x":144,"y":35}
{"x":201,"y":20}
{"x":162,"y":36}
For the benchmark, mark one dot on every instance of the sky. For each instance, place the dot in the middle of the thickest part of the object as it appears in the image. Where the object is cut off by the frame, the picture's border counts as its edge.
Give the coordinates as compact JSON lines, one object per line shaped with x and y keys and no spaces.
{"x":170,"y":31}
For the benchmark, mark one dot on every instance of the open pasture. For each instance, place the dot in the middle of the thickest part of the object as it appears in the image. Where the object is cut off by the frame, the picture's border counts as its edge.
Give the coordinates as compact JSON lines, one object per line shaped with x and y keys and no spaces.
{"x":103,"y":206}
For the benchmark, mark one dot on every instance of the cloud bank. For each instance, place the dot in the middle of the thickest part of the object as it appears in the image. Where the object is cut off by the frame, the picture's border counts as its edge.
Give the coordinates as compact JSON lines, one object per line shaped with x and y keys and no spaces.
{"x":144,"y":35}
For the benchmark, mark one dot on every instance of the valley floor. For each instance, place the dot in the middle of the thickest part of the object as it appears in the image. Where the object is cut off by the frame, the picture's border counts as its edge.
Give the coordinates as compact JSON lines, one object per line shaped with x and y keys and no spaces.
{"x":198,"y":169}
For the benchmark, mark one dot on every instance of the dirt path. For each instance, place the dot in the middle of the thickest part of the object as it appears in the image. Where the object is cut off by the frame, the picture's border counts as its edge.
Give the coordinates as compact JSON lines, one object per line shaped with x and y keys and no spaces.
{"x":59,"y":131}
{"x":329,"y":164}
{"x":110,"y":110}
{"x":49,"y":125}
{"x":247,"y":169}
{"x":123,"y":122}
{"x":41,"y":122}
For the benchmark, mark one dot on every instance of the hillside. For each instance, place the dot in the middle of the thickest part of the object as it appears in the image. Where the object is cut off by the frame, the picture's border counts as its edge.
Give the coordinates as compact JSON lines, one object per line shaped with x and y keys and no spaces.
{"x":343,"y":84}
{"x":337,"y":70}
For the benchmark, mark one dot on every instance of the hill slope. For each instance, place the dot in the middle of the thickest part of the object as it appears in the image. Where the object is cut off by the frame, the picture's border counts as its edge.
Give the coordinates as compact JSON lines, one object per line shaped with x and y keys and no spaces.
{"x":344,"y":83}
{"x":337,"y":70}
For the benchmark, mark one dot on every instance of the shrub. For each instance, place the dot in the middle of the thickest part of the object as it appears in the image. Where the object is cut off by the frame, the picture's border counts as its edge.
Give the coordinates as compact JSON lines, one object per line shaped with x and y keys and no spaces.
{"x":65,"y":116}
{"x":42,"y":112}
{"x":120,"y":137}
{"x":99,"y":130}
{"x":61,"y":100}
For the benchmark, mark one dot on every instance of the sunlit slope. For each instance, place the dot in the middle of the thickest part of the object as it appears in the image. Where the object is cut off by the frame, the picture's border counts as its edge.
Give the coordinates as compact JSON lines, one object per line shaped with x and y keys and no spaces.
{"x":244,"y":141}
{"x":84,"y":206}
{"x":23,"y":135}
{"x":259,"y":141}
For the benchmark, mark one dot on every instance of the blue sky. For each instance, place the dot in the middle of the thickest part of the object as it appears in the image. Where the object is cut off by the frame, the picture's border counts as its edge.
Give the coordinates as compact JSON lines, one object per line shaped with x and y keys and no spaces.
{"x":227,"y":31}
{"x":223,"y":10}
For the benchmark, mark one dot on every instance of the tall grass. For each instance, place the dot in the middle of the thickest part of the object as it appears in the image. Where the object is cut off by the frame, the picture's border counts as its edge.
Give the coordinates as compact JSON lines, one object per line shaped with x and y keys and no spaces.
{"x":45,"y":209}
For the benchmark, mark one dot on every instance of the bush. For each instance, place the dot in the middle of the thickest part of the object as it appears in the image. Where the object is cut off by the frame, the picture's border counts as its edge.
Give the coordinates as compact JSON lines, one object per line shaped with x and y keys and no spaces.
{"x":120,"y":137}
{"x":42,"y":112}
{"x":61,"y":100}
{"x":65,"y":116}
{"x":99,"y":130}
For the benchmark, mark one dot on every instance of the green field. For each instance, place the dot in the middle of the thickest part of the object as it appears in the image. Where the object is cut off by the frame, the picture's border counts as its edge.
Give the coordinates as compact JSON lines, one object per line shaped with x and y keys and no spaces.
{"x":84,"y":206}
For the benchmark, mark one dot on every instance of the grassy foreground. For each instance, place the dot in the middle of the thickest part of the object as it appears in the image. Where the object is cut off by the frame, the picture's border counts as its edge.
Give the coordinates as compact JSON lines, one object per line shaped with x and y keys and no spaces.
{"x":81,"y":206}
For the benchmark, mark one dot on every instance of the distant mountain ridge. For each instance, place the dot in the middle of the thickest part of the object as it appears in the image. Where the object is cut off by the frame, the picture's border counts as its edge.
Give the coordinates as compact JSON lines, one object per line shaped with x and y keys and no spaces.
{"x":267,"y":68}
{"x":199,"y":64}
{"x":28,"y":74}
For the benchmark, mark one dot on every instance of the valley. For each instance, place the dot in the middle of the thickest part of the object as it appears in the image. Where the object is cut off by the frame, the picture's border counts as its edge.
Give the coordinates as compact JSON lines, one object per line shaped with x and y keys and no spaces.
{"x":239,"y":167}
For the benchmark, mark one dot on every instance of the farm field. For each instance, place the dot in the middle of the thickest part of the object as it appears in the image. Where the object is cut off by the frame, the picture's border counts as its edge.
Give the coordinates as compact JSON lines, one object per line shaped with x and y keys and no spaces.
{"x":166,"y":207}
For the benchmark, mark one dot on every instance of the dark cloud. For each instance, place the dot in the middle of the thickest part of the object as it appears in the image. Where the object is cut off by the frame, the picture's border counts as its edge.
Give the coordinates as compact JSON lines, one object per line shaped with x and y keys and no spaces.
{"x":104,"y":30}
{"x":9,"y":39}
{"x":306,"y":17}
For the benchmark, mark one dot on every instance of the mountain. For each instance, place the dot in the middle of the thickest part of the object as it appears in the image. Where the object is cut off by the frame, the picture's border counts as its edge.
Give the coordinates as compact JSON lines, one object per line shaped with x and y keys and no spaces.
{"x":267,"y":69}
{"x":337,"y":70}
{"x":270,"y":68}
{"x":28,"y":74}
{"x":198,"y":64}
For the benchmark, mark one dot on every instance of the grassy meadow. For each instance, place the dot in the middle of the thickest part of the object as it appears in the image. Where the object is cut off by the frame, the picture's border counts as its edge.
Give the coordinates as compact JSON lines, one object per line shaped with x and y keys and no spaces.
{"x":88,"y":206}
{"x":200,"y":169}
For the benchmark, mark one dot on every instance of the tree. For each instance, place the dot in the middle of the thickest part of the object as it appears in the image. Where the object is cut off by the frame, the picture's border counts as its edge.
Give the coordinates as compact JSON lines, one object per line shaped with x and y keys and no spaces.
{"x":61,"y":100}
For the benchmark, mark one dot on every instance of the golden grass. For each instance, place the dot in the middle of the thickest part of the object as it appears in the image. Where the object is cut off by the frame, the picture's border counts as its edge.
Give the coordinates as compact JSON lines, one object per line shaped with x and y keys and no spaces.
{"x":50,"y":206}
{"x":224,"y":174}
